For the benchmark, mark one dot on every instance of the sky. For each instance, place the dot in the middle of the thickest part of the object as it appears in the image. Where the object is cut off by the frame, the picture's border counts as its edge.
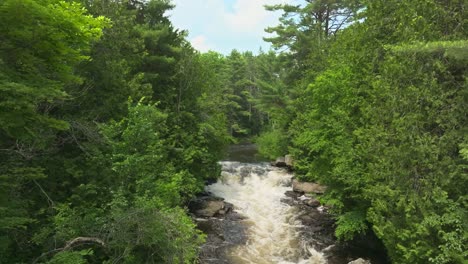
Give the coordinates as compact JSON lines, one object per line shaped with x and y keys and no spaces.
{"x":224,"y":25}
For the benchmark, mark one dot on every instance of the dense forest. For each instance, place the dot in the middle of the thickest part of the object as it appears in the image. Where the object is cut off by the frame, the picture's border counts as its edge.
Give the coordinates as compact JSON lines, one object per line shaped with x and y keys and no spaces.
{"x":110,"y":122}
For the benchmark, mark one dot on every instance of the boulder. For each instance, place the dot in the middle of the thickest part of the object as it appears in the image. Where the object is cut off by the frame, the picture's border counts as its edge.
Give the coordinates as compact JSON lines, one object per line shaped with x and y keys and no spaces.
{"x":292,"y":194}
{"x":288,"y":159}
{"x":359,"y":261}
{"x":210,"y":209}
{"x":209,"y":206}
{"x":307,"y":187}
{"x":280,"y":162}
{"x":312,"y":202}
{"x":288,"y":200}
{"x":310,"y":218}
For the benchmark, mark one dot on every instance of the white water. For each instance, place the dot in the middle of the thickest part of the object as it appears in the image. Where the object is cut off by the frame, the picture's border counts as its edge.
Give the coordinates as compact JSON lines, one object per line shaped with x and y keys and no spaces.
{"x":272,"y":227}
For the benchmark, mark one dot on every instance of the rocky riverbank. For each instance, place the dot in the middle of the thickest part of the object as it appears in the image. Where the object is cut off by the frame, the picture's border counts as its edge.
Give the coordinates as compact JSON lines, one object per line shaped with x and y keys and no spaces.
{"x":221,"y":224}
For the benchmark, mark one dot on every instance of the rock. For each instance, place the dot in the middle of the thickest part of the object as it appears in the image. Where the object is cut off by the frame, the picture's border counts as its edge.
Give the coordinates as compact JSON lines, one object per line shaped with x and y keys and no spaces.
{"x":310,"y":218}
{"x":280,"y":162}
{"x":288,"y":200}
{"x":288,"y":160}
{"x":359,"y":261}
{"x":312,"y":202}
{"x":308,"y":187}
{"x":221,"y":235}
{"x":228,"y":207}
{"x":292,"y":194}
{"x":306,"y":220}
{"x":234,"y":216}
{"x":208,"y":206}
{"x":245,"y":172}
{"x":210,"y":209}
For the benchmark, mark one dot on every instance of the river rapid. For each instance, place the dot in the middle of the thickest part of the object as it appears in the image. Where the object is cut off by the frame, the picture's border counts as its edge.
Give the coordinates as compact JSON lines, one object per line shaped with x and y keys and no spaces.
{"x":257,"y":192}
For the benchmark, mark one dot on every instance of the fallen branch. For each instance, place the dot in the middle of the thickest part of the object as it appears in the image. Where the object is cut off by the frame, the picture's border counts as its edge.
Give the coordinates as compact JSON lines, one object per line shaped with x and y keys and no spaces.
{"x":72,"y":243}
{"x":83,"y":240}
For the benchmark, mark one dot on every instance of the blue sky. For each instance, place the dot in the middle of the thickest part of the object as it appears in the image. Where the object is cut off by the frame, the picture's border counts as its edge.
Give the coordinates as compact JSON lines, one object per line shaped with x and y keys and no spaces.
{"x":223,"y":25}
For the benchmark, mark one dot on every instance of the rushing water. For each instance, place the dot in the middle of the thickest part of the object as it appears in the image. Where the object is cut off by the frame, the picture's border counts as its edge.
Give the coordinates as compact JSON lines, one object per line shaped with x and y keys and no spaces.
{"x":273,"y":236}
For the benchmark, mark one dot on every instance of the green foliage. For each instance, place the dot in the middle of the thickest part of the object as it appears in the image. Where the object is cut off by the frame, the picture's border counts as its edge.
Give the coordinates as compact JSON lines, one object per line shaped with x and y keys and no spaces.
{"x":77,"y":257}
{"x":426,"y":105}
{"x":272,"y":144}
{"x":370,"y":98}
{"x":350,"y":224}
{"x":37,"y":57}
{"x":145,"y":234}
{"x":383,"y":126}
{"x":78,"y":159}
{"x":141,"y":158}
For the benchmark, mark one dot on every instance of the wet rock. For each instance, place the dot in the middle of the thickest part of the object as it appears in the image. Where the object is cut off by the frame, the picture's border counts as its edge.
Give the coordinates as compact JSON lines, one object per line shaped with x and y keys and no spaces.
{"x":211,"y":208}
{"x":221,"y":212}
{"x":228,"y":207}
{"x":279,"y":162}
{"x":234,"y":232}
{"x":311,"y":202}
{"x":309,"y":218}
{"x":208,"y":206}
{"x":306,"y":219}
{"x":234,"y":216}
{"x":307,"y":187}
{"x":259,"y":170}
{"x":245,"y":172}
{"x":288,"y":200}
{"x":215,"y":248}
{"x":292,"y":194}
{"x":222,"y":234}
{"x":359,"y":261}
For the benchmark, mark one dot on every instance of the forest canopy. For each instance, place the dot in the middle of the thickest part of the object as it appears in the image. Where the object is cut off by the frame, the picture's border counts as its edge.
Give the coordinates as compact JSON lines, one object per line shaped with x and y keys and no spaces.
{"x":111,"y":122}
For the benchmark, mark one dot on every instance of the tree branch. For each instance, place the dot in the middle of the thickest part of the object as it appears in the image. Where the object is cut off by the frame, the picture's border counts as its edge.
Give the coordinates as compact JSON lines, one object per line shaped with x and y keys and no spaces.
{"x":51,"y":202}
{"x":72,"y":243}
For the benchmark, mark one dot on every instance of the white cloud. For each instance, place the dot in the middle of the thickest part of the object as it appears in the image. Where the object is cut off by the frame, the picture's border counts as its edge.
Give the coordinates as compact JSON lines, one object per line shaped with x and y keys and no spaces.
{"x":200,"y":43}
{"x":224,"y":25}
{"x":250,"y":16}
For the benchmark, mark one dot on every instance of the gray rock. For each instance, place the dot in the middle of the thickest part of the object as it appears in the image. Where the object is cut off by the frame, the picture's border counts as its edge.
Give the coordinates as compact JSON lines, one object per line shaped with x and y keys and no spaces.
{"x":312,"y":202}
{"x":359,"y":261}
{"x":292,"y":194}
{"x":308,"y":187}
{"x":288,"y":200}
{"x":280,"y":162}
{"x":306,"y":219}
{"x":245,"y":172}
{"x":210,"y":208}
{"x":228,"y":207}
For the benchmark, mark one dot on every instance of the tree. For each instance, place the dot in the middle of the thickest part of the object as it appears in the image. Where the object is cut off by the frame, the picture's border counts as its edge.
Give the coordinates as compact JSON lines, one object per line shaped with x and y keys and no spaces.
{"x":37,"y":56}
{"x":382,"y":128}
{"x":37,"y":60}
{"x":306,"y":30}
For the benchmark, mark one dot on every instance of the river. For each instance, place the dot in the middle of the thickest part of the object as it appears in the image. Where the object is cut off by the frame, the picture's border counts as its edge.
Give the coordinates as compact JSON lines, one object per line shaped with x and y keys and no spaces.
{"x":257,"y":192}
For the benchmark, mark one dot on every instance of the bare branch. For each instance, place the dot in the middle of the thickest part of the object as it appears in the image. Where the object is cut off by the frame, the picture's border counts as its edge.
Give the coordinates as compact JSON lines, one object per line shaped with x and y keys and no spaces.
{"x":51,"y":202}
{"x":83,"y":240}
{"x":70,"y":244}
